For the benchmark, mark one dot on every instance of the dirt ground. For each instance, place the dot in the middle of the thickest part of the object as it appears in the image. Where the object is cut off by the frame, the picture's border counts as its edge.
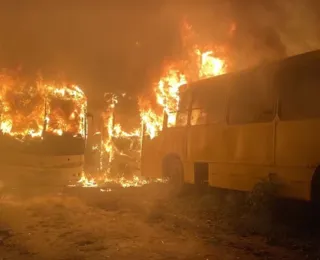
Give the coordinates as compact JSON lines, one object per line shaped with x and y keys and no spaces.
{"x":149,"y":222}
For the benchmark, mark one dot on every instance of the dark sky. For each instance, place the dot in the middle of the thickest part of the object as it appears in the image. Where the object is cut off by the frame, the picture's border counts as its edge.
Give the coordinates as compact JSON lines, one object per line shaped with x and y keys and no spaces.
{"x":120,"y":45}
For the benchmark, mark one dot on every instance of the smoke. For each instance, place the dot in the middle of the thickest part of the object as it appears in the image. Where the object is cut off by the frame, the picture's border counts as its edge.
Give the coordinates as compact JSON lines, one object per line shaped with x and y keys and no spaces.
{"x":264,"y":30}
{"x":269,"y":30}
{"x":115,"y":45}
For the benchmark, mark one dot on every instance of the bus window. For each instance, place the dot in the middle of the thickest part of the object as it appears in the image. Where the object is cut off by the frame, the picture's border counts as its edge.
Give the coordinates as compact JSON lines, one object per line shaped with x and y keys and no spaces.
{"x":182,"y":118}
{"x":176,"y":119}
{"x":299,"y":92}
{"x":209,"y":105}
{"x":198,"y":117}
{"x":251,"y":100}
{"x":171,"y":119}
{"x":185,"y":99}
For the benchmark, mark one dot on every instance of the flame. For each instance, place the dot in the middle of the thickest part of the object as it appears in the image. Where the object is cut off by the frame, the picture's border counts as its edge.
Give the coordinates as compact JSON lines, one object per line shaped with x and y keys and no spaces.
{"x":85,"y":182}
{"x":204,"y":62}
{"x":201,"y":62}
{"x":113,"y":131}
{"x":136,"y":181}
{"x":29,"y":110}
{"x":71,"y":119}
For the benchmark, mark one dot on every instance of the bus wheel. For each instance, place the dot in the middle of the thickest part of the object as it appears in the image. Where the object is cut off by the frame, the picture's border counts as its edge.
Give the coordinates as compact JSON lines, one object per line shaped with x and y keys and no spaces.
{"x":172,"y":169}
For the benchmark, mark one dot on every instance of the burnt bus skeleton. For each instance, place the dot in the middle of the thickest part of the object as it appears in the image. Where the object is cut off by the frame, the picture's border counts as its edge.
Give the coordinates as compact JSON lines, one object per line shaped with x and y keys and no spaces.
{"x":115,"y":153}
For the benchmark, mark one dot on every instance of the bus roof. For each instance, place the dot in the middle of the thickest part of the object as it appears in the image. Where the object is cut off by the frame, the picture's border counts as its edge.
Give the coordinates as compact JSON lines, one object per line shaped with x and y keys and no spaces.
{"x":287,"y":62}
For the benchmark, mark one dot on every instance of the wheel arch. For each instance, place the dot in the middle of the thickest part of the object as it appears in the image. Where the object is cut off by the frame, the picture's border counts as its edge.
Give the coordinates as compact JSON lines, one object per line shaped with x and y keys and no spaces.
{"x":168,"y":159}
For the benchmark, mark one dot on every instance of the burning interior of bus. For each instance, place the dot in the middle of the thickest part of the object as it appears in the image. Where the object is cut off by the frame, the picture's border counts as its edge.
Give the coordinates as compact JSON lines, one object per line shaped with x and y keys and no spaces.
{"x":33,"y":113}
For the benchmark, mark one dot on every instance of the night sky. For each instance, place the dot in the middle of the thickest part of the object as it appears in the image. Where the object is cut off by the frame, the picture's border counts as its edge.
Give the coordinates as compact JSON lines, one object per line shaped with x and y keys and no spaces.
{"x":120,"y":45}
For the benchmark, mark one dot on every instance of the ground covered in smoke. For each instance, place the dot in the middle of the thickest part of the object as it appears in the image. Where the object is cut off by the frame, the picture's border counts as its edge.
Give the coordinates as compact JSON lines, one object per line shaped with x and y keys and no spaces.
{"x":150,"y":222}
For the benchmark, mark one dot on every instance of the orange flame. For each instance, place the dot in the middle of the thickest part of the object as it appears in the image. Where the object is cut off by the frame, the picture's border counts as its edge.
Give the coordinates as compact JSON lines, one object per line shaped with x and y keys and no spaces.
{"x":113,"y":131}
{"x":206,"y":62}
{"x":30,"y":109}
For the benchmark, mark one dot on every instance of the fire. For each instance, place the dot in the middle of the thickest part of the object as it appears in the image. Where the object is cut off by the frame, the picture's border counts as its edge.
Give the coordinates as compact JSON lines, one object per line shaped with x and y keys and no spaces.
{"x":113,"y":131}
{"x":85,"y":182}
{"x":206,"y":63}
{"x":89,"y":182}
{"x":210,"y":66}
{"x":21,"y":107}
{"x":201,"y":62}
{"x":29,"y":110}
{"x":66,"y":109}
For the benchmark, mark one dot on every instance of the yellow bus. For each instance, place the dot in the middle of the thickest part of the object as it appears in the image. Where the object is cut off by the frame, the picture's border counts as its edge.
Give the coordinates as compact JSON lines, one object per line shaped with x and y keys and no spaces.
{"x":234,"y":130}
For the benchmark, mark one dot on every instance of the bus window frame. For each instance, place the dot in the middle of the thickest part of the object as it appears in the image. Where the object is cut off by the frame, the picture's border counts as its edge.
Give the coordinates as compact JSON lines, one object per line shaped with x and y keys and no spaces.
{"x":176,"y":117}
{"x":222,"y":122}
{"x":281,"y":86}
{"x":187,"y":110}
{"x":198,"y":124}
{"x":272,"y":85}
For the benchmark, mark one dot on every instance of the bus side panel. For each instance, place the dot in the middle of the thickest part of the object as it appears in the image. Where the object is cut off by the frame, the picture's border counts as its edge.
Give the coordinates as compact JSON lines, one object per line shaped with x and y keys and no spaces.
{"x":231,"y":150}
{"x":298,"y":153}
{"x":248,"y":155}
{"x":207,"y":143}
{"x":250,"y":143}
{"x":170,"y":141}
{"x":241,"y":177}
{"x":175,"y":141}
{"x":244,"y":177}
{"x":298,"y":143}
{"x":151,"y":157}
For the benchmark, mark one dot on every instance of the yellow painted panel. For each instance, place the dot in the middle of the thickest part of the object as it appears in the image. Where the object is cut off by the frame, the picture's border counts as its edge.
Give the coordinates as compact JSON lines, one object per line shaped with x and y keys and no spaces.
{"x":207,"y":143}
{"x":293,"y":182}
{"x":250,"y":143}
{"x":298,"y":143}
{"x":41,"y":161}
{"x":169,"y":141}
{"x":151,"y":157}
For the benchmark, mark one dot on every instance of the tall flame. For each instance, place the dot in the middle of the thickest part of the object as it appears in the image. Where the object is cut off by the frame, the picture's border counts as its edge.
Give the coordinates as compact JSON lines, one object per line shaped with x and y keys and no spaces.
{"x":112,"y":132}
{"x":204,"y":63}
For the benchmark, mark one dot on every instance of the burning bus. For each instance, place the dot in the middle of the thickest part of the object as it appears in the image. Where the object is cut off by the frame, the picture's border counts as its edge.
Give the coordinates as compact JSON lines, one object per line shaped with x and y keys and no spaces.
{"x":234,"y":130}
{"x":119,"y":150}
{"x":43,"y":130}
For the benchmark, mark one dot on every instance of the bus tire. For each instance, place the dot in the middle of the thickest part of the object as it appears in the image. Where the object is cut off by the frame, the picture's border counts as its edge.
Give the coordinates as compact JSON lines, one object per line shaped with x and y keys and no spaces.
{"x":172,"y":169}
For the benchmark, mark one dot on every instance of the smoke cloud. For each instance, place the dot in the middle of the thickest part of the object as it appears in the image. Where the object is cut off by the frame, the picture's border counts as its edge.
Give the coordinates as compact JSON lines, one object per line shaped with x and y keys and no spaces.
{"x":120,"y":46}
{"x":264,"y":30}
